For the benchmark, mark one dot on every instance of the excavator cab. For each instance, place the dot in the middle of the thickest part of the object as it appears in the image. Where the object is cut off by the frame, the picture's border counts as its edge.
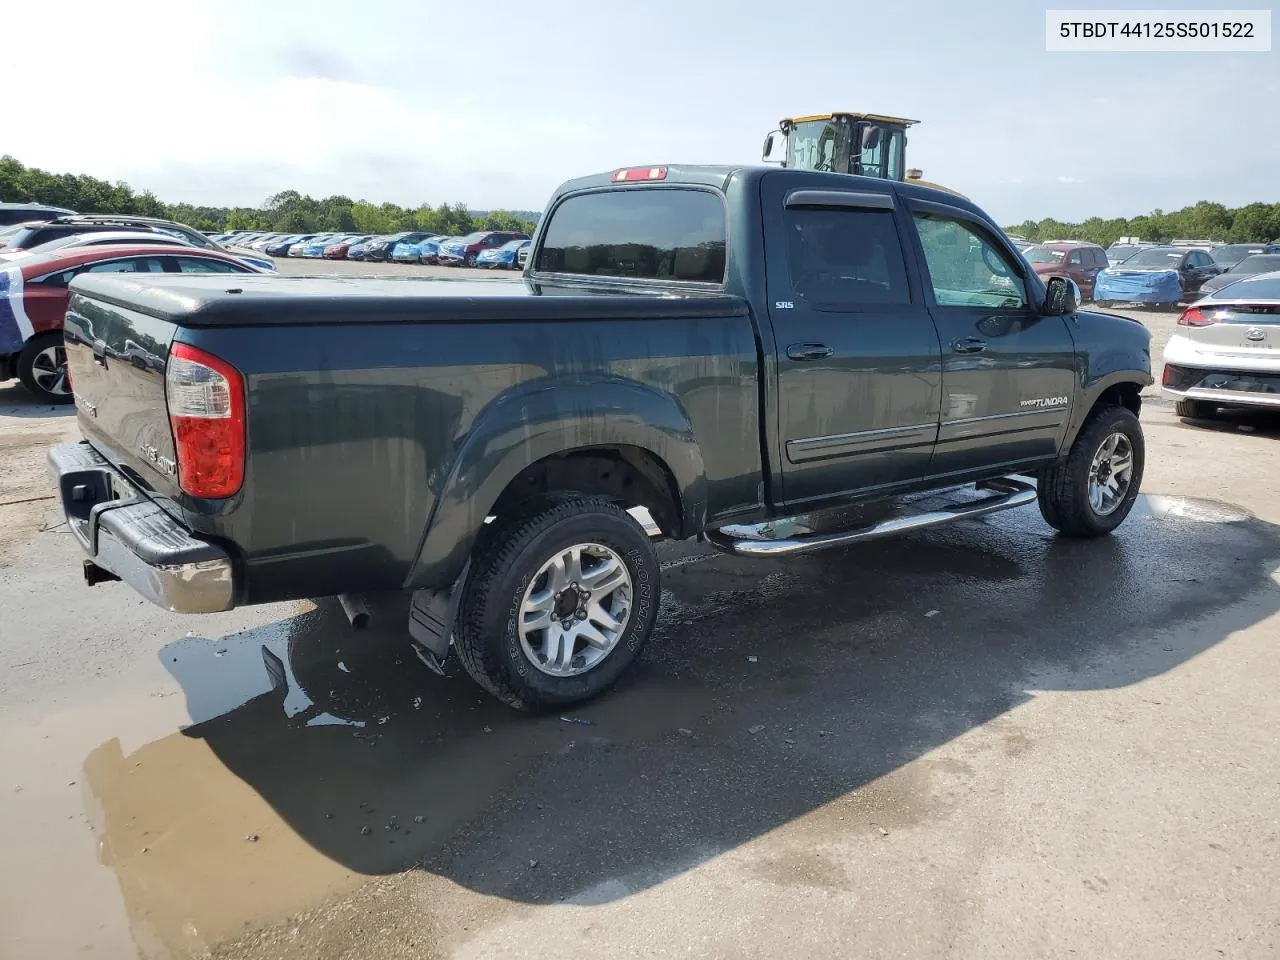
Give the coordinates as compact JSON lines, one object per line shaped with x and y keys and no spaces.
{"x":863,"y":144}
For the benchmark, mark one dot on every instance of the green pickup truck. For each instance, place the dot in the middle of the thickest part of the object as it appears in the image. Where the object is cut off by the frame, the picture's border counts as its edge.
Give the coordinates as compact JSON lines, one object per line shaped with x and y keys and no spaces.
{"x":725,"y":347}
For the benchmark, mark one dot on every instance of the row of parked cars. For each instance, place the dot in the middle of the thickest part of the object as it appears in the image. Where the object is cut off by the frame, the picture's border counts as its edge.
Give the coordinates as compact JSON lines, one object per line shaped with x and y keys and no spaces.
{"x":486,"y":248}
{"x":1224,"y":352}
{"x":42,"y":249}
{"x":1159,"y":276}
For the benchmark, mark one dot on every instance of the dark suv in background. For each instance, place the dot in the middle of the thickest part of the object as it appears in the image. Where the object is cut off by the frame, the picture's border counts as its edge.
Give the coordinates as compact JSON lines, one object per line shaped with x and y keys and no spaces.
{"x":1068,"y":258}
{"x":13,"y":213}
{"x":36,"y":232}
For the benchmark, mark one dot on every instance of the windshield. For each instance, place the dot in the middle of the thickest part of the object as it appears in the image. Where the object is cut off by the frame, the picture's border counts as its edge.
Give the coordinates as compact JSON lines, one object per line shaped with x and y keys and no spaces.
{"x":819,"y":145}
{"x":1043,"y":255}
{"x":1155,"y":258}
{"x":474,"y":237}
{"x":1234,"y":252}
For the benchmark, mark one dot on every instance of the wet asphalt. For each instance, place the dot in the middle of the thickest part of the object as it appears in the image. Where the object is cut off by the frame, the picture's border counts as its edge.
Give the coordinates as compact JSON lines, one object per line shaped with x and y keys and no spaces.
{"x":196,"y":782}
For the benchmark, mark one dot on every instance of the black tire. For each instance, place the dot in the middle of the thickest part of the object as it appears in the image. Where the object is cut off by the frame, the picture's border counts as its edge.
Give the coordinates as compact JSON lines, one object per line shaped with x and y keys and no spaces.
{"x":1194,"y":409}
{"x":1063,"y":489}
{"x":32,"y":368}
{"x":471,"y":260}
{"x":507,"y":557}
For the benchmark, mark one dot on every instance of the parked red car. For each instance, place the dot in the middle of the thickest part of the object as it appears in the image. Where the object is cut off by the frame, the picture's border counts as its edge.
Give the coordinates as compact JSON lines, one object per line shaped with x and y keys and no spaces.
{"x":338,"y":251}
{"x":459,"y":251}
{"x":1069,"y":258}
{"x":33,"y":304}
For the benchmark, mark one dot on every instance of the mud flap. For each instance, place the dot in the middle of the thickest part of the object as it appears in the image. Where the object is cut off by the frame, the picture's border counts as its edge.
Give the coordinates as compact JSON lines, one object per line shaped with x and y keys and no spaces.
{"x":432,"y":614}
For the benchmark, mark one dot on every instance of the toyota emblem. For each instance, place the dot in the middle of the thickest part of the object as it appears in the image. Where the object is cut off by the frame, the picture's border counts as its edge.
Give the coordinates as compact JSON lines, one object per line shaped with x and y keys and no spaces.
{"x":1255,"y":334}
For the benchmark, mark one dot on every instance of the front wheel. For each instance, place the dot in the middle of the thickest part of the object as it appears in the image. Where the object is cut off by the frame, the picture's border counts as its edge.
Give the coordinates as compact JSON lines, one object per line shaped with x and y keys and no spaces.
{"x":471,"y":260}
{"x":1091,"y":491}
{"x":560,"y":601}
{"x":42,"y":368}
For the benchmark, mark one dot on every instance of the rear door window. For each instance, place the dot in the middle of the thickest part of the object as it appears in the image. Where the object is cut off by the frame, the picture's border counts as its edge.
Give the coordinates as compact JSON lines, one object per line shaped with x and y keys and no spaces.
{"x":841,"y":258}
{"x":649,"y":234}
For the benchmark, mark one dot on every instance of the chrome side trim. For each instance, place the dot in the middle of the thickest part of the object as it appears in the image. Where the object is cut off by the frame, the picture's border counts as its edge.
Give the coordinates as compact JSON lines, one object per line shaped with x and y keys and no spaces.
{"x":865,"y":441}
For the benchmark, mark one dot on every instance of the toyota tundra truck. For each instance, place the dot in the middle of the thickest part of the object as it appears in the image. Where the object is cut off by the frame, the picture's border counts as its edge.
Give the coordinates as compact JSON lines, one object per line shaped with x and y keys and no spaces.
{"x":725,"y":347}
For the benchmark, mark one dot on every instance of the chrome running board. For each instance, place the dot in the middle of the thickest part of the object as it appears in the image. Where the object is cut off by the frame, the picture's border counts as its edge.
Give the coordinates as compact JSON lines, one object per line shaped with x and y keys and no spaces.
{"x":1006,"y":494}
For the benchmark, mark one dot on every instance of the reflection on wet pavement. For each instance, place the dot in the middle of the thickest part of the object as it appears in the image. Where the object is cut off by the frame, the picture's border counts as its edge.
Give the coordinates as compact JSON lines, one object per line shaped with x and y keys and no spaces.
{"x":319,"y":755}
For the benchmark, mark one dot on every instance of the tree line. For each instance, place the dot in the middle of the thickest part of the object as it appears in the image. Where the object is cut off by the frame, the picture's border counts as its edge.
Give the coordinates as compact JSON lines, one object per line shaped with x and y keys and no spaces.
{"x":287,"y":211}
{"x":1252,"y":223}
{"x":293,"y":212}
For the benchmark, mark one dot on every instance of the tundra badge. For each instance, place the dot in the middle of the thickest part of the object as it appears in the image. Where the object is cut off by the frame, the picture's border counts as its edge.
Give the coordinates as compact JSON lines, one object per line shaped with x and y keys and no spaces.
{"x":1046,"y":402}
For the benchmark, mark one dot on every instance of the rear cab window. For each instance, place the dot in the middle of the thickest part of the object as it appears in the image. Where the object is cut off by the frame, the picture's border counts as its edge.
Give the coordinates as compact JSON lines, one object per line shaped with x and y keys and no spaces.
{"x":651,"y":233}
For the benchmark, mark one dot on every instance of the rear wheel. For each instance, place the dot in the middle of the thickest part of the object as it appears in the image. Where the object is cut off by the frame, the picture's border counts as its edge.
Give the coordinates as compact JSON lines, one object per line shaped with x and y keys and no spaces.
{"x":1194,"y":409}
{"x":42,"y":368}
{"x":560,"y":601}
{"x":1090,"y":491}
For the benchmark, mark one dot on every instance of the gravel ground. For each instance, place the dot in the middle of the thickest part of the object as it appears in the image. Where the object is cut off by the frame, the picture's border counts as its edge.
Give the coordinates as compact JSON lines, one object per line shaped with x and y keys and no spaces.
{"x":976,"y":741}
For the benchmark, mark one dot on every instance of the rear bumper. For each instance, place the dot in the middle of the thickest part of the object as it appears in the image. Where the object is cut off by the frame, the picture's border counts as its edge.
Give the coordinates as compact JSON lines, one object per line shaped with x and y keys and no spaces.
{"x":127,"y":535}
{"x":1251,"y":388}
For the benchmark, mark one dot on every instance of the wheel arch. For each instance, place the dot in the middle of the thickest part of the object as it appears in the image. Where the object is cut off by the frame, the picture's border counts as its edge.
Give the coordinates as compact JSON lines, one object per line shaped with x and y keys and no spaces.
{"x":598,"y":436}
{"x":1120,"y":388}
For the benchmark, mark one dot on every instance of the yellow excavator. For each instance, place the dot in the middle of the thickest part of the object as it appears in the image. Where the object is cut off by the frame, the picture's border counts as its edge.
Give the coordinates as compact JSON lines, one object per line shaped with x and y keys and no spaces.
{"x":864,"y":144}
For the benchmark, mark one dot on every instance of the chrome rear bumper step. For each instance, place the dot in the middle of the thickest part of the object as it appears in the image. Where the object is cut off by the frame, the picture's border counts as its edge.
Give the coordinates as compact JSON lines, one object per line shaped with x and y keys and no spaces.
{"x":1006,"y":494}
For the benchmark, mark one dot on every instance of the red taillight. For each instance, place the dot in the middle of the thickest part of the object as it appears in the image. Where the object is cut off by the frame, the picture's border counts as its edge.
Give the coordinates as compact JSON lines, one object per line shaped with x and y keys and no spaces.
{"x":1195,"y":317}
{"x":1167,"y":377}
{"x":640,"y":173}
{"x":205,"y":397}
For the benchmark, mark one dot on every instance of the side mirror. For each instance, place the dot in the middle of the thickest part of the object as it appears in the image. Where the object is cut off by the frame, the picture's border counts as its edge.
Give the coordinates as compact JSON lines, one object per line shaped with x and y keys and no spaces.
{"x":1062,"y":297}
{"x":771,"y":145}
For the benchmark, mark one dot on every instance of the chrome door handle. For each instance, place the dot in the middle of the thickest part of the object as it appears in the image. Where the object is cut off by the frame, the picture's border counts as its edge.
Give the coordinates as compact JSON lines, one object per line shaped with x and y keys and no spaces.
{"x":968,"y":345}
{"x":809,"y":351}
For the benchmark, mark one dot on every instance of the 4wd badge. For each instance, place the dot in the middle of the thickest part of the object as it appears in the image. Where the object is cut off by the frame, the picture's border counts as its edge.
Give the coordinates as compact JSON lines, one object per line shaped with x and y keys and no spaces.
{"x":155,"y":456}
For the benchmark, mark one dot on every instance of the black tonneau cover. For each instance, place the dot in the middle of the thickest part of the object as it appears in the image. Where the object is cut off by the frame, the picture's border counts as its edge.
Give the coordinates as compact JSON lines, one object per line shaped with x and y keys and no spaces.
{"x":260,"y":300}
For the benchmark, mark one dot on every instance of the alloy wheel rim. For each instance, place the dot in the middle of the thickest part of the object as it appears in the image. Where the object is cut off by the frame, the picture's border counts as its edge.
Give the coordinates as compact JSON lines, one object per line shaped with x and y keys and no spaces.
{"x":1110,"y":474}
{"x":49,"y":370}
{"x":575,"y":610}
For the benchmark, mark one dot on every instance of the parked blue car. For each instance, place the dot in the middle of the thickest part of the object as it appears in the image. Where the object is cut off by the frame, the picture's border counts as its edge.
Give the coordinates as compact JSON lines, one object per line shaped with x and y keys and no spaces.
{"x":383,"y":248}
{"x":406,"y":251}
{"x":280,"y":247}
{"x":315,"y":246}
{"x":504,"y":256}
{"x":1150,"y":277}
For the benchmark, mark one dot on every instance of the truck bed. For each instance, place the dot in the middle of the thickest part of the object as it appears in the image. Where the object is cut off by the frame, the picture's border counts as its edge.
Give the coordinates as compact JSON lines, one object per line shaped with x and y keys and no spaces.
{"x":382,"y":414}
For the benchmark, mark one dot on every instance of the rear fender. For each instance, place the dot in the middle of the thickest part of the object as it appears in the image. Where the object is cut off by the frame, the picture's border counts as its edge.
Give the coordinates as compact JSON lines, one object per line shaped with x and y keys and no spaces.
{"x":540,"y":420}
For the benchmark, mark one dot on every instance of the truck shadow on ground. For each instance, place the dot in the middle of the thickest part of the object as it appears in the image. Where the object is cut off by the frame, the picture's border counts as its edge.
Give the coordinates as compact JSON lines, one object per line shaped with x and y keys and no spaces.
{"x":770,"y":690}
{"x":15,"y":401}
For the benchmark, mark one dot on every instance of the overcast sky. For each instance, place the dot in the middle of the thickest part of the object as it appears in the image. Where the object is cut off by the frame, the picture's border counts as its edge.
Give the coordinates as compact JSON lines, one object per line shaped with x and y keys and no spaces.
{"x":494,"y":103}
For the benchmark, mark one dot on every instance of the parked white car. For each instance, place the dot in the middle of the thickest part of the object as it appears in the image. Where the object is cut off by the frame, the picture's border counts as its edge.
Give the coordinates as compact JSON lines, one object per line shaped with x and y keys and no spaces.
{"x":1225,"y":351}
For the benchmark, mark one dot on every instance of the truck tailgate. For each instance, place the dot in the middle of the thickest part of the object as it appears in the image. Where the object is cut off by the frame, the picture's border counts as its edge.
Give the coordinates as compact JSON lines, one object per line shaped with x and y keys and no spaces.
{"x":117,"y":361}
